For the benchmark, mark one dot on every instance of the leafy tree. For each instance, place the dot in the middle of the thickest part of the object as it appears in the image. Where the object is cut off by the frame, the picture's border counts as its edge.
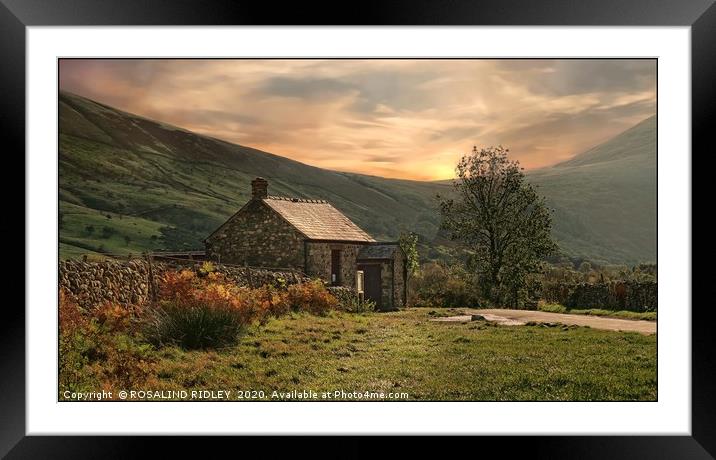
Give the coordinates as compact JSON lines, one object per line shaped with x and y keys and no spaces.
{"x":409,"y":244}
{"x":501,"y":219}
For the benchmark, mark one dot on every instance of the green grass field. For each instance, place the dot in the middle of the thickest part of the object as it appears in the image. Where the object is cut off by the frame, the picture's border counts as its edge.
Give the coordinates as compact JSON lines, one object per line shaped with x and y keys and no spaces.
{"x":404,"y":352}
{"x":622,"y":314}
{"x":127,"y":234}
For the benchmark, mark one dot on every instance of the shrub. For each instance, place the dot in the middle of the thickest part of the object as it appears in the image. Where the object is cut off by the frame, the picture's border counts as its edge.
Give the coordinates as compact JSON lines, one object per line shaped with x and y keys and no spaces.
{"x":199,"y":313}
{"x":272,"y":301}
{"x":177,"y":285}
{"x":439,"y":286}
{"x":639,"y":296}
{"x":126,"y":363}
{"x":206,"y":268}
{"x":348,"y":300}
{"x":360,"y":306}
{"x":311,"y":297}
{"x":98,"y":350}
{"x":113,"y":317}
{"x":70,"y":313}
{"x":551,"y":307}
{"x":209,"y":311}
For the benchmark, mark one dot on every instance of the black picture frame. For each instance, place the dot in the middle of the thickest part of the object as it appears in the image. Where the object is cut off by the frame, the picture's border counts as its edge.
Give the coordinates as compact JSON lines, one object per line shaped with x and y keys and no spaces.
{"x":700,"y":15}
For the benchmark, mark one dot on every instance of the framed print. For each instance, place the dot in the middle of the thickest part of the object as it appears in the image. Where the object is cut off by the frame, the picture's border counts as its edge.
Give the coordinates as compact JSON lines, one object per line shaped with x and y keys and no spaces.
{"x":236,"y":225}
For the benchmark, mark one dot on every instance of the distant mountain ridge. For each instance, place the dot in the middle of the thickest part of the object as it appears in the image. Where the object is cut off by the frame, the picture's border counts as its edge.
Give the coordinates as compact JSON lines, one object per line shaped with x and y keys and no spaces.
{"x":128,"y":183}
{"x":605,"y":198}
{"x":637,"y":141}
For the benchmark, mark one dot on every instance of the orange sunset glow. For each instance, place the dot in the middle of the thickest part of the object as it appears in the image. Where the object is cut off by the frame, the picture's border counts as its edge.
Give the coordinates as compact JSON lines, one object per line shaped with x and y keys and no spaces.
{"x":408,"y":119}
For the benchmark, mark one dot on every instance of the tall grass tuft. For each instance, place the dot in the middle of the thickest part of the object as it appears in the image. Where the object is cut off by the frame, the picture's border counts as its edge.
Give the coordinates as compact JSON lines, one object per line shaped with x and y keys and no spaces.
{"x":193,"y":324}
{"x":196,"y":313}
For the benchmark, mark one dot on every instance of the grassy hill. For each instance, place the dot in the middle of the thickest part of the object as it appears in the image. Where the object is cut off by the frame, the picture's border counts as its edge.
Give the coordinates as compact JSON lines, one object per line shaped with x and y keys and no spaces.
{"x":605,"y":198}
{"x":167,"y":188}
{"x":128,"y":184}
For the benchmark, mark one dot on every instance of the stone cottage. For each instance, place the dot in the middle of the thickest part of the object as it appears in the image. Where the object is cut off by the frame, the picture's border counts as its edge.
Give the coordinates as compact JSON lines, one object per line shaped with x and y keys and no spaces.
{"x":311,"y":236}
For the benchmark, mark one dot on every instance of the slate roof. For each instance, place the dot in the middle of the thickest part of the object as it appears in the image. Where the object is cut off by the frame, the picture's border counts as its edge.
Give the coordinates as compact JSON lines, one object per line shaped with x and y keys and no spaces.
{"x":317,"y":219}
{"x":378,"y":251}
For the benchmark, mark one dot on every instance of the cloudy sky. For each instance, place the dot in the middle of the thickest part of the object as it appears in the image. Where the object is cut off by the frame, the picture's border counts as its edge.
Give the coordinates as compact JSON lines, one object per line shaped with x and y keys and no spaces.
{"x":395,"y":118}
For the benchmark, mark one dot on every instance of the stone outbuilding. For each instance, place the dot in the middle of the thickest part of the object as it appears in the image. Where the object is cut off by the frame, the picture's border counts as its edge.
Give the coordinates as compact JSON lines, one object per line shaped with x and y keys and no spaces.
{"x":311,"y":236}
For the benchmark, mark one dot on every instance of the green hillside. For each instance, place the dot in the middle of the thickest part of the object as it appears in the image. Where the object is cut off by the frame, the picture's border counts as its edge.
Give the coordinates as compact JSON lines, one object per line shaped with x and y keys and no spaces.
{"x":167,"y":188}
{"x":129,"y":184}
{"x":605,"y":198}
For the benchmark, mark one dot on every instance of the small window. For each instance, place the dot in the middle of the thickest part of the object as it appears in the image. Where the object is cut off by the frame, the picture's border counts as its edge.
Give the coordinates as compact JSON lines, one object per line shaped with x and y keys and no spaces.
{"x":335,"y":267}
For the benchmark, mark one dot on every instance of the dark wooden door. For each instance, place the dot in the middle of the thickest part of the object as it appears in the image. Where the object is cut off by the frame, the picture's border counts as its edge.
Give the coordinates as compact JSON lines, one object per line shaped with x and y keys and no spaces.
{"x":372,"y":284}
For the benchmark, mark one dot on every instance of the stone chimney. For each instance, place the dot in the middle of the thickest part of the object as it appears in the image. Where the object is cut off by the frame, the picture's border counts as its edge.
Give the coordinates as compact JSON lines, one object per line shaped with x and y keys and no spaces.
{"x":259,"y":188}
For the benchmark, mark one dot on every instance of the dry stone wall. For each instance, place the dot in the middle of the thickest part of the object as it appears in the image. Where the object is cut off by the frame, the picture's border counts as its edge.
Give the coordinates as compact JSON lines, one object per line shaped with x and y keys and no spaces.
{"x":94,"y":283}
{"x":253,"y":277}
{"x":615,"y":295}
{"x":129,"y":282}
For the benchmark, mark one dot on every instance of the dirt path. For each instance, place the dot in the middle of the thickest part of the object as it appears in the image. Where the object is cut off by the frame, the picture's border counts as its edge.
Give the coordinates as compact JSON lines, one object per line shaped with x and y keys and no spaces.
{"x":597,"y":322}
{"x":520,"y":317}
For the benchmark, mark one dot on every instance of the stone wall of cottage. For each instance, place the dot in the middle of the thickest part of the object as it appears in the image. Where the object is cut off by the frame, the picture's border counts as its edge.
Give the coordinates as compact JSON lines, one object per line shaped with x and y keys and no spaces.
{"x":386,"y":283}
{"x":349,"y":254}
{"x":257,"y":236}
{"x":399,"y":279}
{"x":318,"y":261}
{"x":392,"y":279}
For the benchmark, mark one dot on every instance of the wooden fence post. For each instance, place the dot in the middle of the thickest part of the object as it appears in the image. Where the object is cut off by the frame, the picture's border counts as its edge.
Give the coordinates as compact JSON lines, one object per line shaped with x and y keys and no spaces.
{"x":248,"y":276}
